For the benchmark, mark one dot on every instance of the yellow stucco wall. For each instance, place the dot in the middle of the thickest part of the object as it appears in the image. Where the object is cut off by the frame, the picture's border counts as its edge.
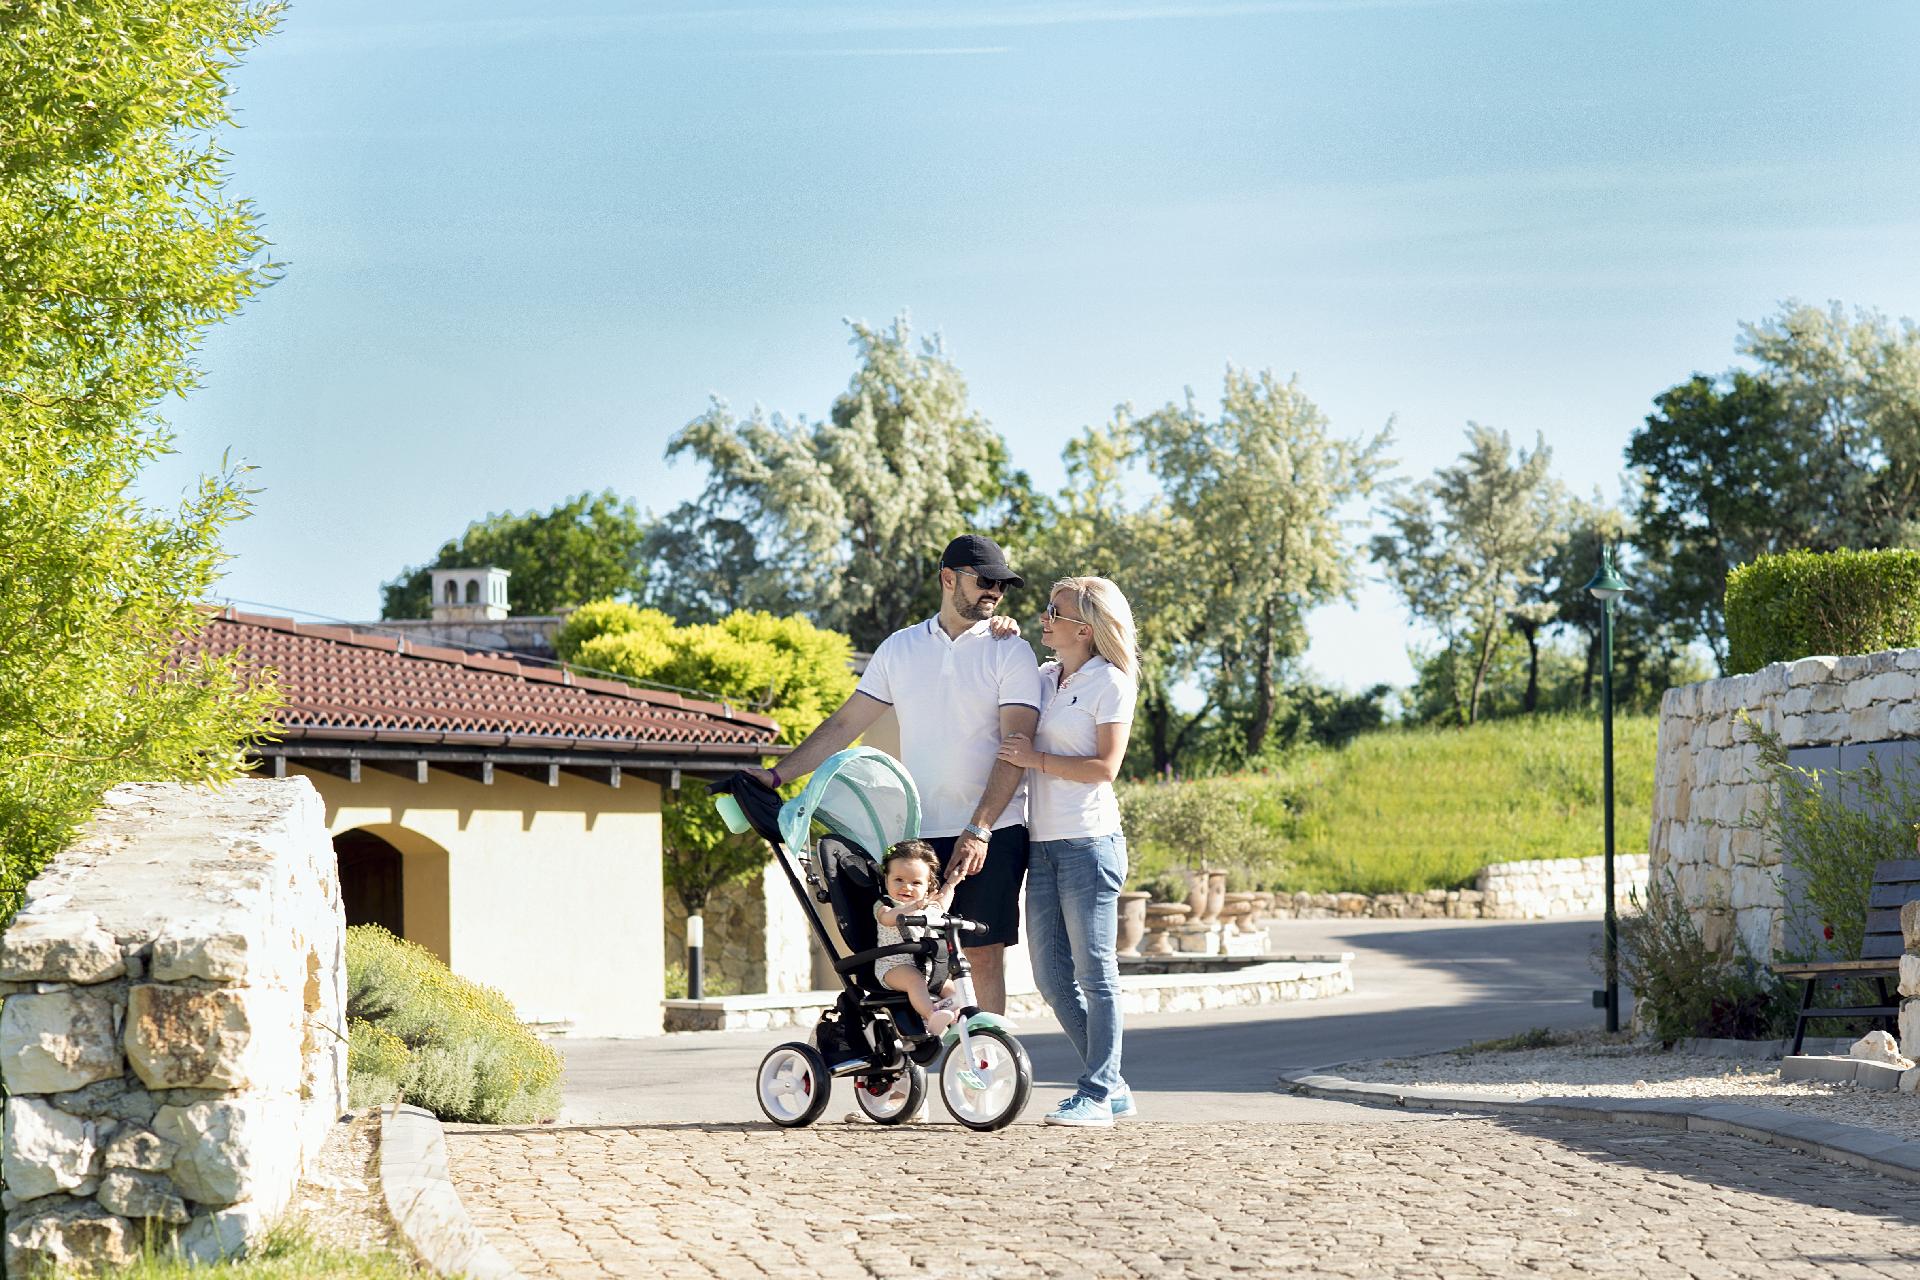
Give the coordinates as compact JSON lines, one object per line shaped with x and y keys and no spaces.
{"x":551,"y":894}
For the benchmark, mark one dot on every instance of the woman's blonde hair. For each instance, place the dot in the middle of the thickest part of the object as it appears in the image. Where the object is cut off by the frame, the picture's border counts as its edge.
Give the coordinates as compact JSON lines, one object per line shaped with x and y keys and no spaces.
{"x":1101,"y":606}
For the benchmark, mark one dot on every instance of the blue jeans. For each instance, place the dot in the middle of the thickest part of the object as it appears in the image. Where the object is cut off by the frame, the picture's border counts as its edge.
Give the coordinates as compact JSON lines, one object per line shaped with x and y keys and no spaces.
{"x":1073,"y":913}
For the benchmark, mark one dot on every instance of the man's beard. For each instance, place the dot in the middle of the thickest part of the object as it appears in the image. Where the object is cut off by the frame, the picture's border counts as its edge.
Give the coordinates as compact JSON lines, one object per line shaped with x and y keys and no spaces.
{"x":980,"y":610}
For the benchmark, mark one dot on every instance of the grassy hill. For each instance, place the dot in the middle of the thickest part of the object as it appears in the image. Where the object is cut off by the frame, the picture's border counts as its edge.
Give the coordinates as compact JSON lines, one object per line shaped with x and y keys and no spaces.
{"x":1410,"y":809}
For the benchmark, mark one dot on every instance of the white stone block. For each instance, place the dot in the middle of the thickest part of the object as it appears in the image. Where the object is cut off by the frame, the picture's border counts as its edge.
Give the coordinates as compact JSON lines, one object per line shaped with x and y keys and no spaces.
{"x":132,"y":1194}
{"x":1910,"y":1028}
{"x":1810,"y":671}
{"x":182,"y":1038}
{"x":63,"y":948}
{"x":1870,"y":724}
{"x":1910,"y":974}
{"x":1767,"y":683}
{"x":229,"y":1150}
{"x":221,"y":1233}
{"x":134,"y":1146}
{"x":1903,"y":719}
{"x":59,"y":1041}
{"x":188,"y":950}
{"x":1851,"y":667}
{"x":73,"y":1237}
{"x":1878,"y":1046}
{"x":45,"y":1150}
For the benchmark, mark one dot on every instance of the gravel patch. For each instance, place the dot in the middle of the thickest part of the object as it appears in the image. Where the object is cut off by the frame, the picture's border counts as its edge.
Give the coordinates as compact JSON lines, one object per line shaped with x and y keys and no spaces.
{"x":338,"y":1203}
{"x":1594,"y":1066}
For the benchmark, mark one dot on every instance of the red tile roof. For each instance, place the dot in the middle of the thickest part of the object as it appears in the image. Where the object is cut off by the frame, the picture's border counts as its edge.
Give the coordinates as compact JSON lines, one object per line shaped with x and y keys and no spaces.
{"x":360,"y":686}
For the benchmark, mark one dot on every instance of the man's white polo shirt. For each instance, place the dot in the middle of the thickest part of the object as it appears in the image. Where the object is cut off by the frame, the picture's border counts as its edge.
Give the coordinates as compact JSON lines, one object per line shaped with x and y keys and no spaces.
{"x":947,"y":694}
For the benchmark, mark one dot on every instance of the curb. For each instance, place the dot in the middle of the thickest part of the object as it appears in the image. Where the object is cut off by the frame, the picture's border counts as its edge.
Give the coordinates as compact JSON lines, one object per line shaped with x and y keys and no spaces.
{"x":424,"y":1205}
{"x":1848,"y":1144}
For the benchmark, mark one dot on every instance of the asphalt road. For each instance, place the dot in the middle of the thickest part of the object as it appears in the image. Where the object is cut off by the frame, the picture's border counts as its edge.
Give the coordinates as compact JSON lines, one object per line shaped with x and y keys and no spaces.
{"x":1420,"y":986}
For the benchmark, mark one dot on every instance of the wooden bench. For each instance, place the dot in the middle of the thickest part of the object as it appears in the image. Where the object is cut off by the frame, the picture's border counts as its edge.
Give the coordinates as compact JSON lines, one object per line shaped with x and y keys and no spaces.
{"x":1895,"y":883}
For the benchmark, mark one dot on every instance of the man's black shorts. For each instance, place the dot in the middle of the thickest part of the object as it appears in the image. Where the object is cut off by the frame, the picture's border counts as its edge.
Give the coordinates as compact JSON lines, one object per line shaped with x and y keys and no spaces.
{"x":992,"y":895}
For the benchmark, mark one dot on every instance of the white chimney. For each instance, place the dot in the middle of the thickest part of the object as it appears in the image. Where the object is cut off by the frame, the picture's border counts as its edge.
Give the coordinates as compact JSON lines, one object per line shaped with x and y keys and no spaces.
{"x":469,"y":595}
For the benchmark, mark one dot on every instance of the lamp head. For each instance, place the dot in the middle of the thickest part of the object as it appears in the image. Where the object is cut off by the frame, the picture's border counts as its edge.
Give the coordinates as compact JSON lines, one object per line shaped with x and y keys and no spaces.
{"x":1606,"y":584}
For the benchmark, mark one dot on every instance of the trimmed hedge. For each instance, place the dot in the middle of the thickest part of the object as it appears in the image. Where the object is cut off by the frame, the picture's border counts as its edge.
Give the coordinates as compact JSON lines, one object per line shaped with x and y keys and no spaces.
{"x":420,"y":1032}
{"x":1783,"y":607}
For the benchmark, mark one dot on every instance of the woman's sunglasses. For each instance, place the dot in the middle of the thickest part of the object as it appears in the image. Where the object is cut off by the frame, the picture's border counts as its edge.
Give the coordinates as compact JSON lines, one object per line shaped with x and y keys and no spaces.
{"x":1053,"y":613}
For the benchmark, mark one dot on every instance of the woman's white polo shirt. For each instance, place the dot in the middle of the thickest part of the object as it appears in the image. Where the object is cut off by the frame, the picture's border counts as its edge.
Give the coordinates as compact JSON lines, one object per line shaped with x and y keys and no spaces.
{"x":1070,"y":719}
{"x":947,"y":693}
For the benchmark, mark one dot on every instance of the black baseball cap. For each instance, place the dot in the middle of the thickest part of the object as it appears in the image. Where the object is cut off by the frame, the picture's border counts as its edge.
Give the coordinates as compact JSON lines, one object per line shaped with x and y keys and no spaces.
{"x":982,"y":555}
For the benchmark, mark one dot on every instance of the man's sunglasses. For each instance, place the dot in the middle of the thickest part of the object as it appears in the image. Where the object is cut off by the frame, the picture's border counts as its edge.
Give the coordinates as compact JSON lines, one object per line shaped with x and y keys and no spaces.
{"x":995,"y":583}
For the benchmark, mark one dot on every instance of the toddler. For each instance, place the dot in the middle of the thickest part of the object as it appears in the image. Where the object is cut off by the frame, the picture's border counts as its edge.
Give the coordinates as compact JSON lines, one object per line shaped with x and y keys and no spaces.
{"x":910,"y":871}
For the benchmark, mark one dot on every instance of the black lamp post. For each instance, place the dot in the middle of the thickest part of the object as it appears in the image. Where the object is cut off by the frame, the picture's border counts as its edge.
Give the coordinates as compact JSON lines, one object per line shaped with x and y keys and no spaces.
{"x":1606,"y":587}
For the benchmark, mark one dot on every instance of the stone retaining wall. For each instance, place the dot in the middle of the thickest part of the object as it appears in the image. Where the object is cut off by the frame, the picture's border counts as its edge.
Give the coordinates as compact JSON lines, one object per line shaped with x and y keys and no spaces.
{"x":757,"y":940}
{"x":1268,"y":983}
{"x":1535,"y":890}
{"x":173,"y":1034}
{"x":1829,"y":712}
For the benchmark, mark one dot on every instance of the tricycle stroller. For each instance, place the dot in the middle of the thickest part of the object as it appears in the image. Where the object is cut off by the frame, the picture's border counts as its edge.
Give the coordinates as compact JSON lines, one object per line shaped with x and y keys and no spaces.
{"x":864,"y":803}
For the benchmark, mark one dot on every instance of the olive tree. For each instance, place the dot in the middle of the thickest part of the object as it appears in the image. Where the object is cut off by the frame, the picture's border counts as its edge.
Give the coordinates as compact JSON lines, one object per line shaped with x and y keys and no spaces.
{"x":1465,"y":543}
{"x":844,"y":518}
{"x":121,"y":247}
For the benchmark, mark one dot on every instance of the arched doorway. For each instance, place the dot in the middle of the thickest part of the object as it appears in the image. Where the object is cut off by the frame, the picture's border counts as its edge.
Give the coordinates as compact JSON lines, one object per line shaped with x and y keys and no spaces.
{"x":372,"y":882}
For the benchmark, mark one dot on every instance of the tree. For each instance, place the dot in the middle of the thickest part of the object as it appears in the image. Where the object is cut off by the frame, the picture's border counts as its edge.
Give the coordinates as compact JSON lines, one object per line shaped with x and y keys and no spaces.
{"x":781,"y":667}
{"x":1728,"y":472}
{"x":1467,"y":542}
{"x":1260,"y":490}
{"x":121,"y":249}
{"x":1095,"y":527}
{"x":587,"y":547}
{"x":1590,"y":524}
{"x":1817,"y":448}
{"x":843,"y":519}
{"x":1851,"y":384}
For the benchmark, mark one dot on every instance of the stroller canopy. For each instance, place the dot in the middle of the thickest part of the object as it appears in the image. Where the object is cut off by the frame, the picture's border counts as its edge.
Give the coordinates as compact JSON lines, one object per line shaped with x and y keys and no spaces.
{"x":860,"y":794}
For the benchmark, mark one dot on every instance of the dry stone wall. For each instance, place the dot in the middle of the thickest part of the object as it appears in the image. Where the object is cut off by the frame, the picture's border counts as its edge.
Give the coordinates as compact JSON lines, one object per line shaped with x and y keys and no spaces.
{"x":1828,"y":712}
{"x":1534,"y":890}
{"x":173,"y":1032}
{"x":756,"y":939}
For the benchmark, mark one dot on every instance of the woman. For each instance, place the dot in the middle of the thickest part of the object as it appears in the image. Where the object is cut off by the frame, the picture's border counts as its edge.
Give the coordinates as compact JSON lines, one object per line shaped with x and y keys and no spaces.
{"x":1077,"y":857}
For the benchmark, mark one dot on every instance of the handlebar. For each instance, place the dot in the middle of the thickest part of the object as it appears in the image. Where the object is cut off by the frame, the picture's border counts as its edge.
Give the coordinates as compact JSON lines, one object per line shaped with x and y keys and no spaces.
{"x":958,"y":922}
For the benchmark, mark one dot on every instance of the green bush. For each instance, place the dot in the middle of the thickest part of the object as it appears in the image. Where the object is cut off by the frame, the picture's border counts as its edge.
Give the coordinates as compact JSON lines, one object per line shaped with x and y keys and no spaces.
{"x":1171,"y":826}
{"x":1684,"y":988}
{"x":1832,"y":827}
{"x":439,"y":1041}
{"x":713,"y":983}
{"x":1789,"y":606}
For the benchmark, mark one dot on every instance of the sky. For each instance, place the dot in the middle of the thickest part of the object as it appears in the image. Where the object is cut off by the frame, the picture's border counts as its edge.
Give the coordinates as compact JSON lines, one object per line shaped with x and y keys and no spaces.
{"x":526,"y":243}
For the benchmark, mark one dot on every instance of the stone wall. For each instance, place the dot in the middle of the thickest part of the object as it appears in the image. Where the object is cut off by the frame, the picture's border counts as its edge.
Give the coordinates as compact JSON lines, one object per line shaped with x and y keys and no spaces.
{"x":757,"y":940}
{"x":1830,"y":713}
{"x":1559,"y":886}
{"x":173,"y":1035}
{"x":1534,"y":890}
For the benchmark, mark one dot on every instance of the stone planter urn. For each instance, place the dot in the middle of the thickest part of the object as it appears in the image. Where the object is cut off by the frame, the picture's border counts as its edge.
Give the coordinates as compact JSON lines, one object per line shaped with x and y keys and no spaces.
{"x":1216,"y":894}
{"x":1199,"y":893}
{"x":1237,"y":913}
{"x":1133,"y":922}
{"x":1162,"y":918}
{"x":1262,"y":906}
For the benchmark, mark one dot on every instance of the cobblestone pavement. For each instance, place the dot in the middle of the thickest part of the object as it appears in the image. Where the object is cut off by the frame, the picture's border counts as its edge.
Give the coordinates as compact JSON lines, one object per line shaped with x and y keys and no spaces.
{"x":1453,"y":1198}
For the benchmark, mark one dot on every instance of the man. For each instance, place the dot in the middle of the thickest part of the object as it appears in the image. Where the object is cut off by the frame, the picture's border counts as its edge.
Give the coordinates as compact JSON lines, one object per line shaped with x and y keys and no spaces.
{"x":957,"y":692}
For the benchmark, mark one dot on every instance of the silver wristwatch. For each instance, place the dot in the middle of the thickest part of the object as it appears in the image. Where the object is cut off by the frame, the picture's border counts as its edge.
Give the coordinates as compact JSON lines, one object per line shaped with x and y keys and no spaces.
{"x":975,"y":829}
